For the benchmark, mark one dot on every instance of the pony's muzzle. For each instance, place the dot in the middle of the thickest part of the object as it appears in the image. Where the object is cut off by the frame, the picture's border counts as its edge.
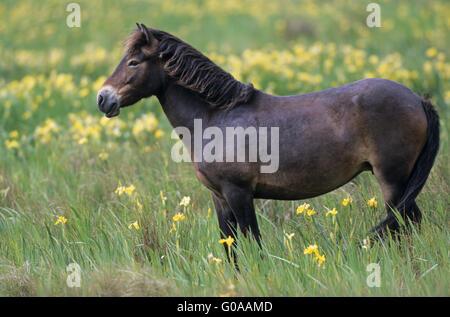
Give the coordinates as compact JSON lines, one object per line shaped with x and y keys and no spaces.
{"x":108,"y":102}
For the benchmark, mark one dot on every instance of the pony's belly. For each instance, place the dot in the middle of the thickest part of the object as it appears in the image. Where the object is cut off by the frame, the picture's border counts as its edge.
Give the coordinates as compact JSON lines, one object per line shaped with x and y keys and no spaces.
{"x":296,"y":187}
{"x":265,"y":191}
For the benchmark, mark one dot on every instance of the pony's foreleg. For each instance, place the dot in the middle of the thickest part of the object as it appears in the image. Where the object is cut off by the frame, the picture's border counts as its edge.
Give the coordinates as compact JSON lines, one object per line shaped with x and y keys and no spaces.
{"x":227,"y":223}
{"x":240,"y":202}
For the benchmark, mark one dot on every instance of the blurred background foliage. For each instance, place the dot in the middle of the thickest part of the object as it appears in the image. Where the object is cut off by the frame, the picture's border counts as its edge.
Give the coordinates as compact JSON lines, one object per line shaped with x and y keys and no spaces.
{"x":59,"y":157}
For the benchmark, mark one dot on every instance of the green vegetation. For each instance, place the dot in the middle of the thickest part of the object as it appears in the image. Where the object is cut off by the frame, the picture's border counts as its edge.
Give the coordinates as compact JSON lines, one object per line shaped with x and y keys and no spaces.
{"x":60,"y":158}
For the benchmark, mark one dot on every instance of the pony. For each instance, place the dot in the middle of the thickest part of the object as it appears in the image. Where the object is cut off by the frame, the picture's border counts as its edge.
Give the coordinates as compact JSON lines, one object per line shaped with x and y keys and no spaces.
{"x":326,"y":138}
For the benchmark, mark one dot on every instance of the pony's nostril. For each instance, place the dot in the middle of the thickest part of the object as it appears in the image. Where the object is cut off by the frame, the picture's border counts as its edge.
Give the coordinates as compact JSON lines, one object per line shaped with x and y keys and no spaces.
{"x":100,"y":100}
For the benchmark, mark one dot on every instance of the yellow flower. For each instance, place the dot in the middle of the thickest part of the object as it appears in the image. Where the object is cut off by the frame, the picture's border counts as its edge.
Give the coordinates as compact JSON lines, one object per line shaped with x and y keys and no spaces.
{"x":332,"y":236}
{"x":185,"y":201}
{"x":347,"y":201}
{"x":98,"y":83}
{"x":147,"y":123}
{"x":163,"y":198}
{"x":290,"y":235}
{"x":229,"y":241}
{"x":119,"y":190}
{"x":84,"y":92}
{"x":82,"y":140}
{"x":103,"y":156}
{"x":174,"y":228}
{"x":14,"y":134}
{"x":310,"y":212}
{"x":122,"y":189}
{"x":447,"y":95}
{"x":431,"y":52}
{"x":139,"y":205}
{"x":427,"y":67}
{"x":311,"y":249}
{"x":372,"y":202}
{"x":333,"y":212}
{"x":159,"y":133}
{"x":366,"y":244}
{"x":134,"y":224}
{"x":320,"y":258}
{"x":26,"y":115}
{"x":129,"y":190}
{"x":212,"y":258}
{"x":11,"y":144}
{"x":302,"y":208}
{"x":178,"y":217}
{"x":373,"y":59}
{"x":61,"y":219}
{"x":314,"y":249}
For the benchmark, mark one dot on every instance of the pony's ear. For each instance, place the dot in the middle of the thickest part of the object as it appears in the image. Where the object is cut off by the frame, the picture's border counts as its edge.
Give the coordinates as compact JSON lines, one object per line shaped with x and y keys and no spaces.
{"x":152,"y":42}
{"x":148,"y":35}
{"x":141,"y":40}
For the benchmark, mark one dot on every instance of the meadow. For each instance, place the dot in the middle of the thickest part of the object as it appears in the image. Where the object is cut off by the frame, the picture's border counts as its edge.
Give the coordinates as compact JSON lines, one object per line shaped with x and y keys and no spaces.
{"x":76,"y":187}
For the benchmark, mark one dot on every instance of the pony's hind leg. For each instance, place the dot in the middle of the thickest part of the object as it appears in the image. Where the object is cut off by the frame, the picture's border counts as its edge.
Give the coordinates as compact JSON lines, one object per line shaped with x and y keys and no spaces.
{"x":393,"y":183}
{"x":415,"y":214}
{"x":403,"y":163}
{"x":390,"y":222}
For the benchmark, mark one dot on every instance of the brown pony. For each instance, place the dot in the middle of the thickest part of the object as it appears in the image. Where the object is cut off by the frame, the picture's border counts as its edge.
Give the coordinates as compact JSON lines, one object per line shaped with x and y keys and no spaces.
{"x":326,"y":138}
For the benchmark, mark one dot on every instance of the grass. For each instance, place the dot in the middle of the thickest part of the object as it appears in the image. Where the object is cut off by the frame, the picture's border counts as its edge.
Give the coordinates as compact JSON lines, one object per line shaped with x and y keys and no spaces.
{"x":59,"y":172}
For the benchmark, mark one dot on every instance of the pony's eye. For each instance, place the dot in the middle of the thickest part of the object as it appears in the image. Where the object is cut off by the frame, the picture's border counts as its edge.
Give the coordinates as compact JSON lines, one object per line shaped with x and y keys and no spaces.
{"x":133,"y":64}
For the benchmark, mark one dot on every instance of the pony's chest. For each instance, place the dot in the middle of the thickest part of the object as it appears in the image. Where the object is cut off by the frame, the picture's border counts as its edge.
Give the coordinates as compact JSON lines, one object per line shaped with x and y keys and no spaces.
{"x":204,"y":179}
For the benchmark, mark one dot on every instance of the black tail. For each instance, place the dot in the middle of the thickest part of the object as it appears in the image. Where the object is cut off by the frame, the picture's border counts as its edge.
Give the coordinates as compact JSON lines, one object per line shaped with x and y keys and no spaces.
{"x":425,"y":161}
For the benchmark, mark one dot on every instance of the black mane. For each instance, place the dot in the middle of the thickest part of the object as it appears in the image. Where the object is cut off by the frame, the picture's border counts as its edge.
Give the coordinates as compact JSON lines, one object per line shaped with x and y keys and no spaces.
{"x":193,"y":70}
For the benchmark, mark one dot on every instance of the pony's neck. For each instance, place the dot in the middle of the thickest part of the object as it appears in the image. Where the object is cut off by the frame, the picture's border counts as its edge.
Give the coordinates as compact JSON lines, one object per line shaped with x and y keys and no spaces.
{"x":182,"y":106}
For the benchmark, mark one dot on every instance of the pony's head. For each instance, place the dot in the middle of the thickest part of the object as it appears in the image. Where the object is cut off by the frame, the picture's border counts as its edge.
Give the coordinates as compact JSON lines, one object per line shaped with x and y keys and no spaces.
{"x":138,"y":75}
{"x":154,"y":58}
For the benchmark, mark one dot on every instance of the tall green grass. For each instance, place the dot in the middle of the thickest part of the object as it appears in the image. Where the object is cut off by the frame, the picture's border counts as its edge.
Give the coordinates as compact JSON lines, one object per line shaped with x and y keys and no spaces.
{"x":40,"y":182}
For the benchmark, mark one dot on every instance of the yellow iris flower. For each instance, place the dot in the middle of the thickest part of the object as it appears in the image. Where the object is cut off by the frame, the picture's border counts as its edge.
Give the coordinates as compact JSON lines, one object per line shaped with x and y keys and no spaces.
{"x":178,"y":217}
{"x":311,"y":249}
{"x":11,"y":144}
{"x":332,"y":212}
{"x":302,"y":208}
{"x":185,"y":201}
{"x":123,"y":189}
{"x":229,"y":241}
{"x":347,"y":201}
{"x":310,"y":212}
{"x":134,"y":224}
{"x":372,"y":202}
{"x":61,"y":219}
